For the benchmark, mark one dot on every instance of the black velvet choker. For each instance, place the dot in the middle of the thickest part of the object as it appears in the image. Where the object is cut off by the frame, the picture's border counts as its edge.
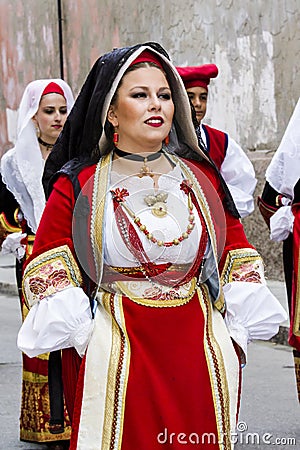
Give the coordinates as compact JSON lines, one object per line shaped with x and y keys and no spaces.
{"x":45,"y":144}
{"x":136,"y":157}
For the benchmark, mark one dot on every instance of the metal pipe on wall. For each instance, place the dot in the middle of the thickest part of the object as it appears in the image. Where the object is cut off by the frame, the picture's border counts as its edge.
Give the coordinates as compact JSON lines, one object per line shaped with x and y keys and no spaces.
{"x":60,"y":39}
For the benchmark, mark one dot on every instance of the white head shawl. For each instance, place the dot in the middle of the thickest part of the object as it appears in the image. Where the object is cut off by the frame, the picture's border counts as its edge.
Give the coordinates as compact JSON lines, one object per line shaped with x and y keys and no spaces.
{"x":284,"y":169}
{"x":22,"y":166}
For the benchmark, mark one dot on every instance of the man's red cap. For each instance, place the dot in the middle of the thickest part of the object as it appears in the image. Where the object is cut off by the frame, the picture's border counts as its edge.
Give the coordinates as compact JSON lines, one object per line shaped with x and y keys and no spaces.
{"x":53,"y":88}
{"x":197,"y":75}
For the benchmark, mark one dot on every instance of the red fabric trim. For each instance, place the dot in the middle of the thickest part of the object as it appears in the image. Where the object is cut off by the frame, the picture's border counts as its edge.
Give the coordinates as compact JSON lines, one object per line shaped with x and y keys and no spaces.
{"x":60,"y":205}
{"x":196,"y":83}
{"x":217,"y":144}
{"x":147,"y":56}
{"x":110,"y":274}
{"x":238,"y":353}
{"x":294,"y":341}
{"x":35,"y":365}
{"x":53,"y":88}
{"x":71,"y":363}
{"x":77,"y":404}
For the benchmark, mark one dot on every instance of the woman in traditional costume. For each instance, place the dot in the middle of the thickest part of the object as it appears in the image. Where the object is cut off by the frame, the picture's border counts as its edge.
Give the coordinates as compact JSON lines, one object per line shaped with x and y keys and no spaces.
{"x":42,"y":114}
{"x":279,"y":206}
{"x":138,"y":270}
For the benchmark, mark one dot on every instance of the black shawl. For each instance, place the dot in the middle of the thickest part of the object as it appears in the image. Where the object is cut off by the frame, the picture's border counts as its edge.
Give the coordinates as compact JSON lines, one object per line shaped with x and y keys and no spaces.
{"x":78,"y":144}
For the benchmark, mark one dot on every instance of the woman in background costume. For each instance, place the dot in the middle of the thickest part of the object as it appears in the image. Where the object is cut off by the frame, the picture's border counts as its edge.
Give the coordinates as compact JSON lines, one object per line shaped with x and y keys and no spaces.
{"x":42,"y":113}
{"x":139,"y":271}
{"x":279,"y":206}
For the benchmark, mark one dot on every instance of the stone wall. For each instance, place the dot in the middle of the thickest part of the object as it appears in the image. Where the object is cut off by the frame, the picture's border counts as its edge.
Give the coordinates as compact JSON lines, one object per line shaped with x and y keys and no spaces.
{"x":255,"y":44}
{"x":256,"y":228}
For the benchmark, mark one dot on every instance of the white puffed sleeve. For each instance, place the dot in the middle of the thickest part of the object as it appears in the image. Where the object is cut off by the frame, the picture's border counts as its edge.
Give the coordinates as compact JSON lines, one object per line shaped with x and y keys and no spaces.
{"x":281,"y":223}
{"x":238,"y":172}
{"x":252,"y":312}
{"x":59,"y":321}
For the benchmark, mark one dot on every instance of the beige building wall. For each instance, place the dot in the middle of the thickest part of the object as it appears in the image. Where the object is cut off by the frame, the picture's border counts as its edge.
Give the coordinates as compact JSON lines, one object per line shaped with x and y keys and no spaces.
{"x":255,"y":44}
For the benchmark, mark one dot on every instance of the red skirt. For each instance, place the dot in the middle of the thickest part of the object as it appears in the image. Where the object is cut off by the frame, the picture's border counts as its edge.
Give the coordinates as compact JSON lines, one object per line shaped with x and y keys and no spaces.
{"x":157,"y":375}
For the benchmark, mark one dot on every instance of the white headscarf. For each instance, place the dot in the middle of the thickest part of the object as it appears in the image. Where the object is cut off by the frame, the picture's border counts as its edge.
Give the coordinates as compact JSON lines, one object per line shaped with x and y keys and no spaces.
{"x":284,"y":169}
{"x":22,"y":166}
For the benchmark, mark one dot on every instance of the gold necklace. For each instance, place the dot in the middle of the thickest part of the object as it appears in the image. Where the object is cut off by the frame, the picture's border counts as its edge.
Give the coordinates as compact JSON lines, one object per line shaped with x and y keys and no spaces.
{"x":119,"y":196}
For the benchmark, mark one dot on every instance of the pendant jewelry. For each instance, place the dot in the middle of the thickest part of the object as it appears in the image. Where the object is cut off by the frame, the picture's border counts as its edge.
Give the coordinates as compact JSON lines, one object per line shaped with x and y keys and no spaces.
{"x":186,"y":186}
{"x":145,"y":170}
{"x":158,"y":203}
{"x":159,"y":209}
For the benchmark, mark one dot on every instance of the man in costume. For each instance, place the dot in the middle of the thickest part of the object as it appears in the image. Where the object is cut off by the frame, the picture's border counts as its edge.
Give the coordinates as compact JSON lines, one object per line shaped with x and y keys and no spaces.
{"x":139,"y":271}
{"x":235,"y":167}
{"x":279,"y":206}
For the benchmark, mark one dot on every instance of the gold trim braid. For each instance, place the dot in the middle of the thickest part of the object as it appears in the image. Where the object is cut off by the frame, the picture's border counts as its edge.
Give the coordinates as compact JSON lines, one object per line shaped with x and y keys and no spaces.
{"x":98,"y":209}
{"x":117,"y":376}
{"x":217,"y":372}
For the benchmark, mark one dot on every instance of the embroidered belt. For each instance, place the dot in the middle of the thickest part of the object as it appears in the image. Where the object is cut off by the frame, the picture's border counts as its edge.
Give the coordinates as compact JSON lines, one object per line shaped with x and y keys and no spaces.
{"x":147,"y":290}
{"x":147,"y":293}
{"x":173,"y":272}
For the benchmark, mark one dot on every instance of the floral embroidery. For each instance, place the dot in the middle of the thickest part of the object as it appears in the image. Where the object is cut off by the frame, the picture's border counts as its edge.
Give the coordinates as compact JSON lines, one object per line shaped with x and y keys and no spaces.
{"x":51,"y":278}
{"x":243,"y":265}
{"x":153,"y":293}
{"x":145,"y":293}
{"x":38,"y":285}
{"x":119,"y":194}
{"x":49,"y":273}
{"x":59,"y":279}
{"x":156,"y":293}
{"x":46,"y":269}
{"x":248,"y":271}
